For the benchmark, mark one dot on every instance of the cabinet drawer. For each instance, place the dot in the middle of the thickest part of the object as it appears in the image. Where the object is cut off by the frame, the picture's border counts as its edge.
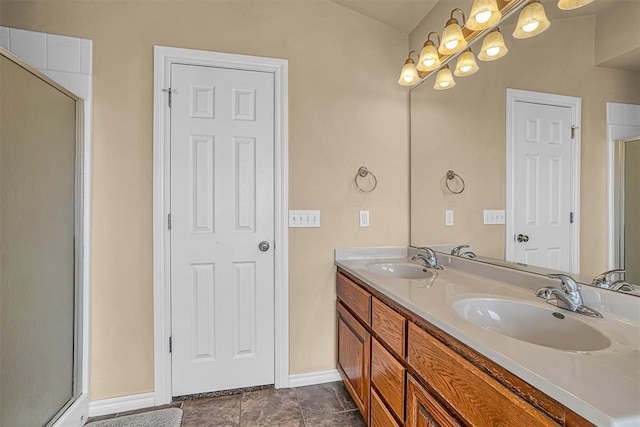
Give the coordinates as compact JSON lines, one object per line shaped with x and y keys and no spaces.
{"x":389,"y":325}
{"x":355,"y":298}
{"x":380,"y":415}
{"x":423,"y":410}
{"x":478,"y":398}
{"x":387,"y":374}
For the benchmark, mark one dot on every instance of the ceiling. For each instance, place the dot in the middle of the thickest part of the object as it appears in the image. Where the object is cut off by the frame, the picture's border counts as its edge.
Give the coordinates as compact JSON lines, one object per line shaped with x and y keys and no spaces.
{"x":403,"y":15}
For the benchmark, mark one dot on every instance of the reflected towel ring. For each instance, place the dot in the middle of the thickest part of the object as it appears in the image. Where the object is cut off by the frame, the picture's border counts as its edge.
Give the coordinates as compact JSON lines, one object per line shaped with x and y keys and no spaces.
{"x":452,"y":176}
{"x":363,"y":172}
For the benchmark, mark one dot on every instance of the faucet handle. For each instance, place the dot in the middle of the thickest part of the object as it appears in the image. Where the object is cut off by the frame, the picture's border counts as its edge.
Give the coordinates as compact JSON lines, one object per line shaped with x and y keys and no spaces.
{"x":568,"y":283}
{"x":605,"y":278}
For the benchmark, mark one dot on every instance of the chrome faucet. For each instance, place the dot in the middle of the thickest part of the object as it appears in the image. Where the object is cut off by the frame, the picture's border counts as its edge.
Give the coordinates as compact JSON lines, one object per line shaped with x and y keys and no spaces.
{"x":458,"y":249}
{"x":429,"y":259}
{"x":604,"y":281}
{"x":568,"y":297}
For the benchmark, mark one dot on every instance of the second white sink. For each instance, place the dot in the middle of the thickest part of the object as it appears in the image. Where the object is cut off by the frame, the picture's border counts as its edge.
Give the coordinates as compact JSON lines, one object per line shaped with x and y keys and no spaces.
{"x":531,"y":323}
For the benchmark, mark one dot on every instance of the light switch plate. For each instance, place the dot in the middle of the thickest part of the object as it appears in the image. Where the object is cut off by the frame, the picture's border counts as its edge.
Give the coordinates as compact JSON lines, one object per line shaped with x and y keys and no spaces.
{"x":493,"y":217}
{"x":304,"y":219}
{"x":448,"y":218}
{"x":364,"y":219}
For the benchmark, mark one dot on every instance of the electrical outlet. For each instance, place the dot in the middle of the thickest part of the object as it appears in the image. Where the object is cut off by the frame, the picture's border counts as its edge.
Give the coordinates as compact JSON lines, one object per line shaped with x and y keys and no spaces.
{"x":364,"y":219}
{"x":448,"y":218}
{"x":493,"y":217}
{"x":304,"y":219}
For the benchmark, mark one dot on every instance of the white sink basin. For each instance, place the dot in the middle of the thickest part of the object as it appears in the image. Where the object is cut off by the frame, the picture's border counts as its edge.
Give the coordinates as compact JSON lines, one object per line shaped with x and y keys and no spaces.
{"x":531,"y":323}
{"x":400,"y":270}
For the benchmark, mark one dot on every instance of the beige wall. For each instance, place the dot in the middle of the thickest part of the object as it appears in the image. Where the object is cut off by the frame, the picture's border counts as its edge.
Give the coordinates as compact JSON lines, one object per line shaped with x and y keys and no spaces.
{"x":346,"y":110}
{"x":464,"y":129}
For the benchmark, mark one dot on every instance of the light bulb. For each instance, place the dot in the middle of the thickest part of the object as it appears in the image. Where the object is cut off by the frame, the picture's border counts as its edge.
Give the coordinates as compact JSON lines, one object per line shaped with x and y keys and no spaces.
{"x":531,"y":26}
{"x":483,"y":17}
{"x":493,"y":51}
{"x":451,"y":44}
{"x":429,"y":62}
{"x":532,"y":21}
{"x":408,"y":77}
{"x":465,"y":68}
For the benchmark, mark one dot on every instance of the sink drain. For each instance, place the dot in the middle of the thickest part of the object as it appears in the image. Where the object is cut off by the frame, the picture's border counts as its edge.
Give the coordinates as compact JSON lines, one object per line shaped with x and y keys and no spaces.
{"x":558,"y":315}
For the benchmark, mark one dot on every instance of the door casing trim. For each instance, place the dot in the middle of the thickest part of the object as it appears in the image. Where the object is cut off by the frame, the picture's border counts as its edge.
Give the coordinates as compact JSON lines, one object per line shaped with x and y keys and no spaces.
{"x":164,"y":58}
{"x":575,"y":104}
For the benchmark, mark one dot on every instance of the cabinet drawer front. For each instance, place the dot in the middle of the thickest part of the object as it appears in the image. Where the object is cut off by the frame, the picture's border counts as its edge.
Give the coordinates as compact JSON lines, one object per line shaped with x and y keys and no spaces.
{"x":353,"y":296}
{"x":380,"y":415}
{"x":423,"y":410}
{"x":387,"y":374}
{"x":389,"y":325}
{"x":354,"y":354}
{"x":479,"y":399}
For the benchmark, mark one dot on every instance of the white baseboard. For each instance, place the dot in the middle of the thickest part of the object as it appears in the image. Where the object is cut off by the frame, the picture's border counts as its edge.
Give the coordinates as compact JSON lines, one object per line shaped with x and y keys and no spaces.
{"x":311,"y":378}
{"x":121,"y":404}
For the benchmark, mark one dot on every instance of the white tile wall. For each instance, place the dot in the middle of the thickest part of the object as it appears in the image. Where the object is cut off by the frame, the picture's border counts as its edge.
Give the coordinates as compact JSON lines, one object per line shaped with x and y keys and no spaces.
{"x":30,"y":46}
{"x":63,"y":53}
{"x":4,"y":37}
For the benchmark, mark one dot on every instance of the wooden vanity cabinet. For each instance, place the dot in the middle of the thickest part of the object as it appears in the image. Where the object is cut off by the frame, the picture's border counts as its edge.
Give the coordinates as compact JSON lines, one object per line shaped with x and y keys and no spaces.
{"x":404,"y":372}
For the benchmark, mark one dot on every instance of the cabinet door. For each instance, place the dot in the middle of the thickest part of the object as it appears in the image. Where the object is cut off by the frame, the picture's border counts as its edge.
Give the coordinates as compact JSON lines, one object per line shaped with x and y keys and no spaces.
{"x":380,"y":415}
{"x":354,"y":358}
{"x":423,"y":410}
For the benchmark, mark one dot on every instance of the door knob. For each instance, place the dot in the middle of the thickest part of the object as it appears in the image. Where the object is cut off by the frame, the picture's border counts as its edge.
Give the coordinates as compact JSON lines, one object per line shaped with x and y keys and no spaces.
{"x":263,"y":246}
{"x":522,"y":238}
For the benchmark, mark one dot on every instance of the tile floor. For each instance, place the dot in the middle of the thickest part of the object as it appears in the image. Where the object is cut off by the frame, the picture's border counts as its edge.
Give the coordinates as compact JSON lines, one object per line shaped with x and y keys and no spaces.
{"x":323,"y":405}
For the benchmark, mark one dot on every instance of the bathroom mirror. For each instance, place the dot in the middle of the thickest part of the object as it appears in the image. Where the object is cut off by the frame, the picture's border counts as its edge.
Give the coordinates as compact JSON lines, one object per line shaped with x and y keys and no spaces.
{"x":40,"y":250}
{"x":464,"y":129}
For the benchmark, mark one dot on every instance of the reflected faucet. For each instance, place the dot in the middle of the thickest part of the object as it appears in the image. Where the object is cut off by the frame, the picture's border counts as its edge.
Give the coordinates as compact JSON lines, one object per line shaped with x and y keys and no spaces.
{"x":429,"y":259}
{"x":467,"y":254}
{"x":604,"y":281}
{"x":568,"y":297}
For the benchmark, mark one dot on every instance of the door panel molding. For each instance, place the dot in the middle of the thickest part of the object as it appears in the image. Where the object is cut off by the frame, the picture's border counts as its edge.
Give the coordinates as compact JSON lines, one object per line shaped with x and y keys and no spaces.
{"x":164,"y":58}
{"x":575,"y":104}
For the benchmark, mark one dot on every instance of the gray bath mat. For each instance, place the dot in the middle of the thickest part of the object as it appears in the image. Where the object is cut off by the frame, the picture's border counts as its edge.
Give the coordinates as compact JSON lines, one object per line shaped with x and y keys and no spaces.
{"x":171,"y":417}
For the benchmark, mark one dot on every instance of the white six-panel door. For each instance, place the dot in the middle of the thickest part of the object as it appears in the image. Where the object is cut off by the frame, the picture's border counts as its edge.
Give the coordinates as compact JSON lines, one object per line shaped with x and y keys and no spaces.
{"x":542,"y":190}
{"x":222,"y":207}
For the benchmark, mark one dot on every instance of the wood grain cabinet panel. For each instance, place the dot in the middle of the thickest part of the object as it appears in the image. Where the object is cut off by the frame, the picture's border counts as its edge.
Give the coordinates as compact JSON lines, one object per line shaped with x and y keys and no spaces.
{"x":354,"y":358}
{"x":387,"y":375}
{"x":389,"y":325}
{"x":479,"y":399}
{"x":423,"y":410}
{"x":355,"y":298}
{"x":380,"y":415}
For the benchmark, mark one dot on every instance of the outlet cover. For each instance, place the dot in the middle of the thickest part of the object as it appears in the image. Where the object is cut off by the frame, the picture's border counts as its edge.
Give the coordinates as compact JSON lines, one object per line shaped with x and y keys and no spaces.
{"x":304,"y":219}
{"x":364,"y":219}
{"x":448,"y":218}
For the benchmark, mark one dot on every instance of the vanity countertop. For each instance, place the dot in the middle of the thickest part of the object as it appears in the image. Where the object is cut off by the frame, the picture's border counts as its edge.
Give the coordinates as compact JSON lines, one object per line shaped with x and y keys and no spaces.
{"x":602,"y":386}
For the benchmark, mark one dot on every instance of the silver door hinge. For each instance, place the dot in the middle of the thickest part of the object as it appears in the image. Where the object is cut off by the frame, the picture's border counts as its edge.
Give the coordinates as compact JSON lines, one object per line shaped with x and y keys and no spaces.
{"x":169,"y":221}
{"x":571,"y":218}
{"x":170,"y":344}
{"x":573,"y":131}
{"x":170,"y":95}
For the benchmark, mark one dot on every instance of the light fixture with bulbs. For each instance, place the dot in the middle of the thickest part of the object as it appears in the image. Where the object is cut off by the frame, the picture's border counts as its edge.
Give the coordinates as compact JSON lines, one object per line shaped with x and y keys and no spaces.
{"x":444,"y":80}
{"x":484,"y":14}
{"x":572,"y":4}
{"x":453,"y":40}
{"x":532,"y":21}
{"x":484,"y":18}
{"x":409,"y":74}
{"x":466,"y":65}
{"x":493,"y":46}
{"x":429,"y":56}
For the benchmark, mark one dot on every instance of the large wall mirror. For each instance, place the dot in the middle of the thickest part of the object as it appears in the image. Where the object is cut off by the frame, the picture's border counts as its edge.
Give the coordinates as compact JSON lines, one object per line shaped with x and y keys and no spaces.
{"x":40,"y":245}
{"x":588,"y":59}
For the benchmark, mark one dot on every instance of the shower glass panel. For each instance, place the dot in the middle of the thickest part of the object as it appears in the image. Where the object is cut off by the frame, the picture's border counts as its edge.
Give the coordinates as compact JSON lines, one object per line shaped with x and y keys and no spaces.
{"x":38,"y":260}
{"x":631,"y":210}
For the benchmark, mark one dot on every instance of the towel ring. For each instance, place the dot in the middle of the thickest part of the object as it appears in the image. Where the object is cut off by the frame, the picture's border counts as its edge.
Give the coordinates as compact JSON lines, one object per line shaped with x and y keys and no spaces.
{"x":452,"y":176}
{"x":363,"y":172}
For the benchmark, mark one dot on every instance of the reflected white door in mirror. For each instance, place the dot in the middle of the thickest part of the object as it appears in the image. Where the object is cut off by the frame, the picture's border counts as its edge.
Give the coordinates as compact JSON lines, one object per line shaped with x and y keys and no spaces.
{"x":542,"y":164}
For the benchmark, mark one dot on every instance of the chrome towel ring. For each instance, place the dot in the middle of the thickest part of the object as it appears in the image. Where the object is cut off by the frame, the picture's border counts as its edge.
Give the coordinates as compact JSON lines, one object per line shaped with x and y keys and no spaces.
{"x":454,"y":177}
{"x":360,"y":182}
